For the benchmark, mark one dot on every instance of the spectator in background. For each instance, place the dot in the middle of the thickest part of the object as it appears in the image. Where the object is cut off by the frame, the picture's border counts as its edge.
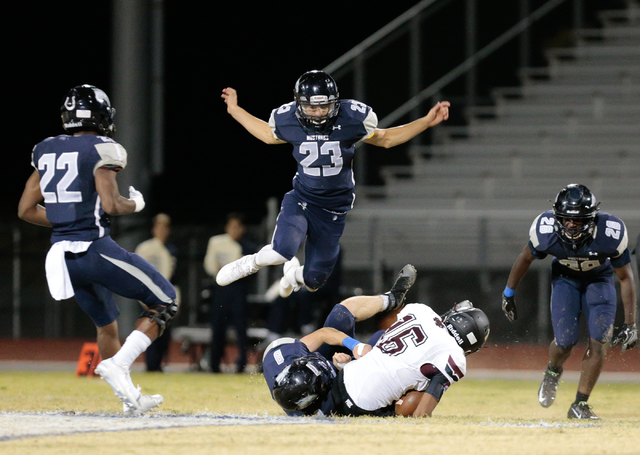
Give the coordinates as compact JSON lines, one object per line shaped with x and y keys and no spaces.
{"x":163,"y":257}
{"x":229,"y":303}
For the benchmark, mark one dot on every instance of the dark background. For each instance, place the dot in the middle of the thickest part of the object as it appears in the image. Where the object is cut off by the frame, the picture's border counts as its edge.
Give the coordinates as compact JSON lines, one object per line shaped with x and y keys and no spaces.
{"x":212,"y":165}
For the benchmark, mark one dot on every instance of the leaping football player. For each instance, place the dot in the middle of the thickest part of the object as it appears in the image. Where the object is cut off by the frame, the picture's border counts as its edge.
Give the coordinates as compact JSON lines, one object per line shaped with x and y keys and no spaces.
{"x":324,"y":131}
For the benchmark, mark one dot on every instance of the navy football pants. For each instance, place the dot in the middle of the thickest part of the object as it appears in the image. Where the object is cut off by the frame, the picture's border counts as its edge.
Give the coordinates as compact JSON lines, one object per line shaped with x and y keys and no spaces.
{"x":571,"y":297}
{"x":106,"y":268}
{"x":322,"y":229}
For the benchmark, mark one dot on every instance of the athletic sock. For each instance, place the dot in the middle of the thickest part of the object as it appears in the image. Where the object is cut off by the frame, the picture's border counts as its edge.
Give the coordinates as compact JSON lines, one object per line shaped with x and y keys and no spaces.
{"x":135,"y":344}
{"x":385,"y":301}
{"x":580,"y":397}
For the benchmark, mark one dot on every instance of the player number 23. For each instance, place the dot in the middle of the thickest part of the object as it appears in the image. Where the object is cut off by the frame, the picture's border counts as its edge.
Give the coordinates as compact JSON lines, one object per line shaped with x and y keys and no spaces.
{"x":313,"y":152}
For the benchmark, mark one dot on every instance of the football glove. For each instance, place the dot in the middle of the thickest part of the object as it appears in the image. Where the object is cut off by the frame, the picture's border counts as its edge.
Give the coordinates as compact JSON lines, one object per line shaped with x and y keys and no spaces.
{"x":136,"y":196}
{"x":509,"y":308}
{"x":628,"y":337}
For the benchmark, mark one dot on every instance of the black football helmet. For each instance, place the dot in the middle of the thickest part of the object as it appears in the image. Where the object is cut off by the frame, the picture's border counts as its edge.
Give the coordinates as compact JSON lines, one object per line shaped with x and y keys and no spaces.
{"x":575,"y":202}
{"x":316,"y":88}
{"x":468,"y":325}
{"x":304,"y":383}
{"x":87,"y":108}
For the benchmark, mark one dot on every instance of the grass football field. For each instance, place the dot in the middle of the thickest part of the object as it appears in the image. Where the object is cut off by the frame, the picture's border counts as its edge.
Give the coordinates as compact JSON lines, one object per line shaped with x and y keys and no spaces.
{"x":59,"y":413}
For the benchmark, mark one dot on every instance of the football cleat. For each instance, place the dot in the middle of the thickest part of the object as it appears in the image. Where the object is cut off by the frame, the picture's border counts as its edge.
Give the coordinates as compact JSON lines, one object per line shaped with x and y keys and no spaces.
{"x":235,"y":270}
{"x":549,"y":387}
{"x":288,"y":282}
{"x":145,"y":403}
{"x":120,"y":381}
{"x":403,"y":283}
{"x":581,"y":411}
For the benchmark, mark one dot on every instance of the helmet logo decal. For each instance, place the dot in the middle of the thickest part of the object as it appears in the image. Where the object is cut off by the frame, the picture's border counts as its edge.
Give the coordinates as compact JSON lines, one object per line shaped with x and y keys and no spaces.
{"x":70,"y":104}
{"x":472,"y":338}
{"x":83,"y":113}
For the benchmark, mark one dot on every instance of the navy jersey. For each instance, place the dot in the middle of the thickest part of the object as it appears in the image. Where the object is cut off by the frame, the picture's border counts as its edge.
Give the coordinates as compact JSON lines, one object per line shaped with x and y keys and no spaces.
{"x":598,"y":256}
{"x":67,"y":165}
{"x":281,"y":354}
{"x":325,"y":177}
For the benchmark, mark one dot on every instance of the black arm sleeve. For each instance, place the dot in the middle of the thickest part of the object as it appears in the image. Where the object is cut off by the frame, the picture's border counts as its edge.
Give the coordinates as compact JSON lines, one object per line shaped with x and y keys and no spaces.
{"x":437,"y":385}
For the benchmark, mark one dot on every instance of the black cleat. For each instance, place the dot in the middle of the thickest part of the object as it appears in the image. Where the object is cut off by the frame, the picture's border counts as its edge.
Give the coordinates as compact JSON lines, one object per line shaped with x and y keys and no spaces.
{"x":581,"y":411}
{"x":398,"y":292}
{"x":549,"y":387}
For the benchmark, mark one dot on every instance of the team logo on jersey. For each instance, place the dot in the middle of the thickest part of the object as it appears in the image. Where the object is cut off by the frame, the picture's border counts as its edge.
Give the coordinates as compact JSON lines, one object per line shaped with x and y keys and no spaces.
{"x":318,"y":137}
{"x":70,"y":104}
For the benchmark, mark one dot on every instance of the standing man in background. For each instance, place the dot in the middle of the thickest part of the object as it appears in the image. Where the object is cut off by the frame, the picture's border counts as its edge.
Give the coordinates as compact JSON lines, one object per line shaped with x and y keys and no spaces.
{"x":157,"y":253}
{"x":228,"y":304}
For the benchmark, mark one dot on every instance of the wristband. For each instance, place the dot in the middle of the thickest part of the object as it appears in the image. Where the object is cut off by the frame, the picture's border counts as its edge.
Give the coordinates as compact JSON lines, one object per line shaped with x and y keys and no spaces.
{"x":350,"y":343}
{"x":139,"y":204}
{"x":508,"y":292}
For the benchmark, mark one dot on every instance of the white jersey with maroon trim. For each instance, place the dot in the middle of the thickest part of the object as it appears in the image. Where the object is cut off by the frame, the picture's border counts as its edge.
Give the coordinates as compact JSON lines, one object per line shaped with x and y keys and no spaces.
{"x":410,"y":352}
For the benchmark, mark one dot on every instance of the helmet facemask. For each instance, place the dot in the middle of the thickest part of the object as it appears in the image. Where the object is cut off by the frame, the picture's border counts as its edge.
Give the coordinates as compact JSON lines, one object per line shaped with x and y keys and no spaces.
{"x":317,"y":101}
{"x":575,"y":210}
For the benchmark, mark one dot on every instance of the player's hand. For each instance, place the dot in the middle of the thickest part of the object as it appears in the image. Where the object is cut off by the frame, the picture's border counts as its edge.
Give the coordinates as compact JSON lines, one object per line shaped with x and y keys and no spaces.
{"x":340,"y":359}
{"x":628,"y":337}
{"x":509,"y":308}
{"x":361,"y":350}
{"x":230,"y":96}
{"x":438,"y":113}
{"x":136,"y":196}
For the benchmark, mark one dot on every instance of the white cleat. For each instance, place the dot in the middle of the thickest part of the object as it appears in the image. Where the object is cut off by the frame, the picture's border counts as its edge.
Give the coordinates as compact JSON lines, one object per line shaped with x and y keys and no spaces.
{"x":120,"y":381}
{"x":235,"y":270}
{"x":145,"y":403}
{"x":288,"y":282}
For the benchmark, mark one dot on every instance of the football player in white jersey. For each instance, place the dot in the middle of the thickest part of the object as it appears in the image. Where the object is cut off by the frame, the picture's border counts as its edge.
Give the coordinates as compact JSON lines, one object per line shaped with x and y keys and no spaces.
{"x":421,"y":351}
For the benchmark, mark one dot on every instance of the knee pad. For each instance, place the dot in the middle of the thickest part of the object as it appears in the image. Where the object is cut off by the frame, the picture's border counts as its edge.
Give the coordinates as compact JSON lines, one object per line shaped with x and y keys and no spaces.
{"x":314,"y":280}
{"x":161,"y":315}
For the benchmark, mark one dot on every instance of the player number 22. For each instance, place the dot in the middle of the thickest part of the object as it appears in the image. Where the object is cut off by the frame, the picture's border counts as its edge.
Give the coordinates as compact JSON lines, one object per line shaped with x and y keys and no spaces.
{"x":313,"y":152}
{"x":49,"y":164}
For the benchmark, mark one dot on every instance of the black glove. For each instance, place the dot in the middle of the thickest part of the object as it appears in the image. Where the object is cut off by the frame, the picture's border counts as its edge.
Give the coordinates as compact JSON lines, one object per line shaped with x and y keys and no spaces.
{"x":509,"y":308}
{"x":628,"y":337}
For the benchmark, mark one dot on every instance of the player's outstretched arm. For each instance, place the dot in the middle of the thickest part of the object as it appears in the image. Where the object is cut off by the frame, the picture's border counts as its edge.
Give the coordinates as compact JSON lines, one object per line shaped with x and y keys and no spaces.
{"x":112,"y":202}
{"x":257,"y":127}
{"x":29,"y":207}
{"x":390,"y":137}
{"x":334,"y":337}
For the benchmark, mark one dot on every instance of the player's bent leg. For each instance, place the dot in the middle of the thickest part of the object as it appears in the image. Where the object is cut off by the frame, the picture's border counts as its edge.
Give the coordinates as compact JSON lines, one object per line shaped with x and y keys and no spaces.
{"x":549,"y":385}
{"x":591,"y":366}
{"x":363,"y":307}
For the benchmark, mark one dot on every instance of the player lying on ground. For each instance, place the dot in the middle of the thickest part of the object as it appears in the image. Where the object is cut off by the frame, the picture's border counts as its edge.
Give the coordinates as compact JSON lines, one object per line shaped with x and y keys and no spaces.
{"x":315,"y":351}
{"x":421,"y":351}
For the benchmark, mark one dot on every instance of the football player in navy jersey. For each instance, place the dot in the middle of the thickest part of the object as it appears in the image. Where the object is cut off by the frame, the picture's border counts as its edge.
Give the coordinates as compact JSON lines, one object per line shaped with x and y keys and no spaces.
{"x":75,"y":178}
{"x":588,"y":247}
{"x":324,"y":131}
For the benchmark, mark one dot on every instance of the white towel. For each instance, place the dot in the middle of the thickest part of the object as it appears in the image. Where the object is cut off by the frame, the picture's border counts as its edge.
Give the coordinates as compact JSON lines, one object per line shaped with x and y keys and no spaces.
{"x":56,"y":268}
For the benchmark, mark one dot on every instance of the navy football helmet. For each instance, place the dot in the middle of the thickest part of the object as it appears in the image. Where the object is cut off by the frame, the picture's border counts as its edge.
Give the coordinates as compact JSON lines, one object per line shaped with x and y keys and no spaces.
{"x":468,"y":325}
{"x":304,"y":383}
{"x":87,"y":108}
{"x":576,"y":203}
{"x":317,"y":101}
